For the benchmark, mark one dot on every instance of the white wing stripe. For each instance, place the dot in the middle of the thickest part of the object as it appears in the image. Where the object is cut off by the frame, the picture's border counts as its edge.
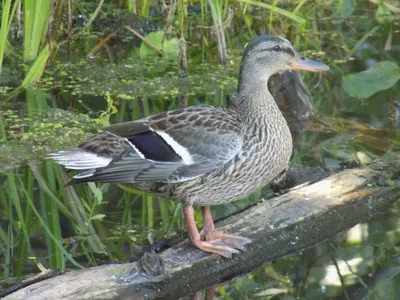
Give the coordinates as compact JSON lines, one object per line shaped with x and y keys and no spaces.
{"x":136,"y":149}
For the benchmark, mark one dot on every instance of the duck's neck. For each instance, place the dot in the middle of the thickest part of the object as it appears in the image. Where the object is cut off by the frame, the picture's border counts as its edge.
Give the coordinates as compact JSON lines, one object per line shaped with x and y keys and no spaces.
{"x":254,"y":101}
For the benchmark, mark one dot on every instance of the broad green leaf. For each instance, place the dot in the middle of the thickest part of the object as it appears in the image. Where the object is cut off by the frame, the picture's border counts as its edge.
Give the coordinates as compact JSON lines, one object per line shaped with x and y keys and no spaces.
{"x":169,"y":47}
{"x":346,"y":8}
{"x":383,"y":13}
{"x":380,"y":76}
{"x":155,"y":38}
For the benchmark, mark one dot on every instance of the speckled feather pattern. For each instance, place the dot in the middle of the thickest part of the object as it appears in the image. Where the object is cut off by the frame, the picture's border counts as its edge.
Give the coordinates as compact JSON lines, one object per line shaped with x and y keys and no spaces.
{"x":267,"y":147}
{"x":264,"y":154}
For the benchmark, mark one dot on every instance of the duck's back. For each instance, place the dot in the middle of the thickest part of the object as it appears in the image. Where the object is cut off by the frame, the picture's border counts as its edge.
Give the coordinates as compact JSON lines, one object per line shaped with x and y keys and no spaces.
{"x":265,"y":154}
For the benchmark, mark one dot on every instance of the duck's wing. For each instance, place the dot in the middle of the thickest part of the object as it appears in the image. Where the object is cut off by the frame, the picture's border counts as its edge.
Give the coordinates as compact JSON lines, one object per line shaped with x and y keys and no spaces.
{"x":175,"y":146}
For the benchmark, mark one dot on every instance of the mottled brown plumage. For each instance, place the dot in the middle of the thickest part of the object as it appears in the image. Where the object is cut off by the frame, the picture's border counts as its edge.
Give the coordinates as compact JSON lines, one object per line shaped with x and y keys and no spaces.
{"x":202,"y":155}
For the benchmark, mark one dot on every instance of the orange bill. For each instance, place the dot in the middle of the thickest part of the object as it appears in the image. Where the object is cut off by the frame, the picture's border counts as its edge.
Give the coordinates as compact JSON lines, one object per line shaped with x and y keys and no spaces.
{"x":304,"y":63}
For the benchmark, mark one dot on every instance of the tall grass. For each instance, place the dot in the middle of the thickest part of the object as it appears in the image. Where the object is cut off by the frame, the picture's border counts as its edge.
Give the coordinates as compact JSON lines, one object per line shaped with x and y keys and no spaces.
{"x":141,"y":7}
{"x":131,"y":5}
{"x":285,"y":13}
{"x":36,"y":20}
{"x":6,"y":19}
{"x":217,"y":12}
{"x":36,"y":17}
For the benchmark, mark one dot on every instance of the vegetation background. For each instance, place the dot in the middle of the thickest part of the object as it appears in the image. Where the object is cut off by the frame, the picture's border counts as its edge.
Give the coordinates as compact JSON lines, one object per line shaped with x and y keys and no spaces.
{"x":70,"y":67}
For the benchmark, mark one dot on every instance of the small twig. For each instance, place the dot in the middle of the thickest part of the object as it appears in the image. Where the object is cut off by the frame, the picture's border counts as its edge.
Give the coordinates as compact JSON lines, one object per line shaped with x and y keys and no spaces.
{"x":69,"y":29}
{"x":170,"y":16}
{"x":182,"y":59}
{"x":143,"y":39}
{"x":101,"y":43}
{"x":350,"y":268}
{"x":388,"y":44}
{"x":320,"y":76}
{"x":94,"y":15}
{"x":362,"y":40}
{"x":19,"y":26}
{"x":339,"y":274}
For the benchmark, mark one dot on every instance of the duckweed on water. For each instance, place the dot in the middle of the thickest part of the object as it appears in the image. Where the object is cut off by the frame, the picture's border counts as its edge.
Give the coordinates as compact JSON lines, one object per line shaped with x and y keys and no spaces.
{"x":32,"y":138}
{"x":151,"y":79}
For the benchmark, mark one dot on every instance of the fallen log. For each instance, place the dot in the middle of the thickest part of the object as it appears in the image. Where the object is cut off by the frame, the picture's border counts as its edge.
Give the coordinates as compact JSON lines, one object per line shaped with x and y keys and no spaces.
{"x":299,"y":219}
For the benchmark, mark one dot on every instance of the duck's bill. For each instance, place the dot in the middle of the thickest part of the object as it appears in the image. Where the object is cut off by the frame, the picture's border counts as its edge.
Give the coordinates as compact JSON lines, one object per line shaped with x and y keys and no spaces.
{"x":304,"y":63}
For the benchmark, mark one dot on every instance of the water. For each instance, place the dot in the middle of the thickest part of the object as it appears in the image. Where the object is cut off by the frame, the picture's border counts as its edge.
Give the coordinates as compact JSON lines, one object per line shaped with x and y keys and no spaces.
{"x":362,"y":262}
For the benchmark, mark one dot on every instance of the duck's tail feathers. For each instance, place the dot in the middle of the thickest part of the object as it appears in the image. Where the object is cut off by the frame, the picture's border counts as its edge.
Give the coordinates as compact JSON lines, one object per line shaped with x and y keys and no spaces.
{"x":78,"y":159}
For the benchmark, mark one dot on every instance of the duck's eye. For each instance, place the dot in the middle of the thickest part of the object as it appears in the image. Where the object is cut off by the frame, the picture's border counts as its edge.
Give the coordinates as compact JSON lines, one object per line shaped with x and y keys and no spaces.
{"x":276,"y":48}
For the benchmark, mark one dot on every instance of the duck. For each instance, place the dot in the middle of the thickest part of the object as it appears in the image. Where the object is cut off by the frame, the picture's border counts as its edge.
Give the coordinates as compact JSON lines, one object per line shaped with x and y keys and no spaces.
{"x":202,"y":156}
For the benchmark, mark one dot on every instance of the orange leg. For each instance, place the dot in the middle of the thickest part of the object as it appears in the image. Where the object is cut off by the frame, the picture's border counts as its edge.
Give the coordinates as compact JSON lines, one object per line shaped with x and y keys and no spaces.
{"x":210,"y":293}
{"x":210,"y":233}
{"x":216,"y":242}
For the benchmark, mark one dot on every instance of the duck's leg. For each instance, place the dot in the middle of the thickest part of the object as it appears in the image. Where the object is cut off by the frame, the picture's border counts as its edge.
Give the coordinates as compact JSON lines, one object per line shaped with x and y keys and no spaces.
{"x":210,"y":293}
{"x":216,"y":246}
{"x":211,"y":234}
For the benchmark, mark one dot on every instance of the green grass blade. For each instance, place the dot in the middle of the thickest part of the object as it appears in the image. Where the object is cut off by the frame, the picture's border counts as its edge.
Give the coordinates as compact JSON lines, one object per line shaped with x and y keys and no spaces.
{"x":131,"y":6}
{"x":41,"y":20}
{"x":28,"y":28}
{"x":24,"y":235}
{"x":164,"y":211}
{"x":5,"y":17}
{"x":46,"y":190}
{"x":85,"y":226}
{"x":150,"y":211}
{"x":145,"y":8}
{"x":175,"y":215}
{"x":7,"y":259}
{"x":36,"y":19}
{"x":37,"y":68}
{"x":53,"y":218}
{"x":67,"y":255}
{"x":278,"y":10}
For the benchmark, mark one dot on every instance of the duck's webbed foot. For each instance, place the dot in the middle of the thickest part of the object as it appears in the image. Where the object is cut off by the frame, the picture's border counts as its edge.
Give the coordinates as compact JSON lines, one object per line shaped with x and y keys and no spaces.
{"x":234,"y":241}
{"x":215,"y":241}
{"x":211,"y":234}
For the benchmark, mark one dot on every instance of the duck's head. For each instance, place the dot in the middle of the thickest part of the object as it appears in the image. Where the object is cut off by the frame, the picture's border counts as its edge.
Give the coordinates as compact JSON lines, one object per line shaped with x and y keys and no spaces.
{"x":266,"y":55}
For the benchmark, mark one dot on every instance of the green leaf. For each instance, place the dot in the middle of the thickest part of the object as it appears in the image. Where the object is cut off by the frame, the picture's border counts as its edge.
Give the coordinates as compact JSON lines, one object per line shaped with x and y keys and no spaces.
{"x":98,"y":195}
{"x":104,"y":117}
{"x":380,"y":76}
{"x":35,"y":72}
{"x":155,"y":38}
{"x":169,"y":47}
{"x":346,"y":8}
{"x":97,"y":217}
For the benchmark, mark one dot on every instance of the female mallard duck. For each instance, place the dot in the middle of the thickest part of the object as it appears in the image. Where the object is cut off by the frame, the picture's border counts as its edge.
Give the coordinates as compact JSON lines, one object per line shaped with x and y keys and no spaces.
{"x":202,"y":155}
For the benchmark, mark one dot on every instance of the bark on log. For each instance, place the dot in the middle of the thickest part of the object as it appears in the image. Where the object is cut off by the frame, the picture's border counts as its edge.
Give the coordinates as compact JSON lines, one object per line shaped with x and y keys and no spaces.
{"x":286,"y":224}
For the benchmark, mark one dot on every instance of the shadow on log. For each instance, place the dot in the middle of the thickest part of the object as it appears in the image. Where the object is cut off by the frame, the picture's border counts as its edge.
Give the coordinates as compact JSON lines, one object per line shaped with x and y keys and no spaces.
{"x":302,"y":218}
